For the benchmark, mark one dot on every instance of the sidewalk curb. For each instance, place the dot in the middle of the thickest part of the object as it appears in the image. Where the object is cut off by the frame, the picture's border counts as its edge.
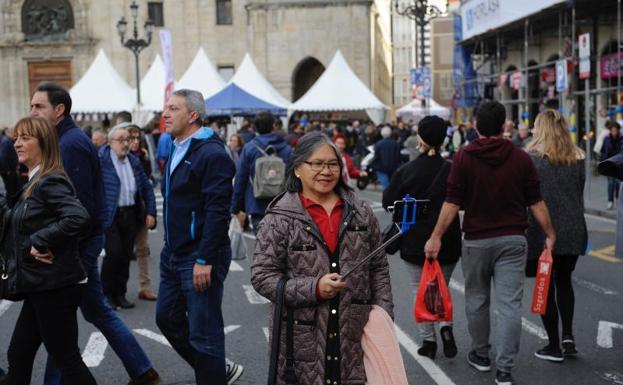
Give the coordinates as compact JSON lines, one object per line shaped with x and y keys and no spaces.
{"x":610,"y":214}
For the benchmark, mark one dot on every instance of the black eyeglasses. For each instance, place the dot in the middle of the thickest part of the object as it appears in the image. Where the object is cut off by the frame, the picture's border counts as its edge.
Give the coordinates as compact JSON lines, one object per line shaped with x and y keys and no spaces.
{"x":319,"y":165}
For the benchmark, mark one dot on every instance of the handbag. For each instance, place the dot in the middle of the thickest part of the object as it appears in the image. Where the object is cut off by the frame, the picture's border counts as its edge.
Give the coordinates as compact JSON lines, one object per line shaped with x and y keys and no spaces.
{"x":392,"y":229}
{"x":290,"y":376}
{"x":541,"y":283}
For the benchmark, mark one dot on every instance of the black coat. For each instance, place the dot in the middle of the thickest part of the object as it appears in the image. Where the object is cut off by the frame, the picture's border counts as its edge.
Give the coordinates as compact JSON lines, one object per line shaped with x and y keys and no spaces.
{"x":415,"y":178}
{"x":51,"y":219}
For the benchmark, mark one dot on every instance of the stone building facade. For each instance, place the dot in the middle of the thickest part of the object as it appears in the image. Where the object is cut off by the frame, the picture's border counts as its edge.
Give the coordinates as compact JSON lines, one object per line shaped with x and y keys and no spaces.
{"x":291,"y":41}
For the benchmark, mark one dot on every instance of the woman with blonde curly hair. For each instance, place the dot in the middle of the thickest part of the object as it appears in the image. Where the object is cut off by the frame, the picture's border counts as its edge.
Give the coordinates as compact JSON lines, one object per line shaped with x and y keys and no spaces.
{"x":560,"y":166}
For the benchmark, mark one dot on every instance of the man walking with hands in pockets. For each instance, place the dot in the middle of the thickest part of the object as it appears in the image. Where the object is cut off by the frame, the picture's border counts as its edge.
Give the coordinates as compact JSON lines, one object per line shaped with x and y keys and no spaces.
{"x":494,"y":182}
{"x":195,"y":258}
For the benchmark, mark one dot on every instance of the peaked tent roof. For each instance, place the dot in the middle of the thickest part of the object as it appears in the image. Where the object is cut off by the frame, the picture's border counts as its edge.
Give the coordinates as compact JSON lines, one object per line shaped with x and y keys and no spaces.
{"x":338,"y":89}
{"x":415,"y":111}
{"x":201,"y":76}
{"x":250,"y":79}
{"x":101,"y":89}
{"x":234,"y":101}
{"x":152,"y":86}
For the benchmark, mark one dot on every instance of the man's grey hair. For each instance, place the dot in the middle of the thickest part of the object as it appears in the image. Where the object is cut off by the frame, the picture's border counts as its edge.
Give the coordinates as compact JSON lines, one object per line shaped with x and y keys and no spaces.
{"x":386,"y":132}
{"x":194,"y":102}
{"x":118,"y":127}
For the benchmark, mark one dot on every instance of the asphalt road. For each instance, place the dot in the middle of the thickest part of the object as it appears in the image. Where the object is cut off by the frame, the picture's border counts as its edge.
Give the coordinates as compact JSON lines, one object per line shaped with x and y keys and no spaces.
{"x":598,"y":326}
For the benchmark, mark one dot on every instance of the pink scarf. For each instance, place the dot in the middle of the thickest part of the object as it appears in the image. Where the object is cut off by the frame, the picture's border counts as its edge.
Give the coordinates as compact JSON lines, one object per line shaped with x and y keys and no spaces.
{"x":381,"y":354}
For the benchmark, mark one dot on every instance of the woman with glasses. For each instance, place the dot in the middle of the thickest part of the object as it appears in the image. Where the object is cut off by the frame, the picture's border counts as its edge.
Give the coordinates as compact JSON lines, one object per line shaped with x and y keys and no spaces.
{"x":560,"y":165}
{"x":312,"y":233}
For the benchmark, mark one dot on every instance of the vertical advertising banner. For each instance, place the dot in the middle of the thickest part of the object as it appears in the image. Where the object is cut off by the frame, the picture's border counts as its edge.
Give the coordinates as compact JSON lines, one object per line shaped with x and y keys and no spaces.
{"x":166,"y":43}
{"x":584,"y":44}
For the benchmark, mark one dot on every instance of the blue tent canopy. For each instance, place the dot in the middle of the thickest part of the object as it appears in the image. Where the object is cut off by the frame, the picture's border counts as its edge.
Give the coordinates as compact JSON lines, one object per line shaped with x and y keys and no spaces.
{"x":234,"y":101}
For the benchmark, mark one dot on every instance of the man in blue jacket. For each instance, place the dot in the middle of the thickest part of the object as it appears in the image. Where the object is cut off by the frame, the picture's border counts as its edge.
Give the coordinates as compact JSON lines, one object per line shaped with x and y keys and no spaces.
{"x":244,"y":200}
{"x":196,"y":255}
{"x":387,"y":155}
{"x":130,"y":202}
{"x":79,"y":156}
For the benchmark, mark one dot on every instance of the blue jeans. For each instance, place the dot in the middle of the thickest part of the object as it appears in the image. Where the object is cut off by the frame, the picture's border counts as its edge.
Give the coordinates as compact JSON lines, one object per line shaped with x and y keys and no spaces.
{"x":192,"y":321}
{"x":613,"y":188}
{"x":383,"y":179}
{"x":97,"y":311}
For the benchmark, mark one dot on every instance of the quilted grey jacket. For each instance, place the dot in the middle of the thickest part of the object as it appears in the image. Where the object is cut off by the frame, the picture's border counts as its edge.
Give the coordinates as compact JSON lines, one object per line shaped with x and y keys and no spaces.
{"x":288,"y":243}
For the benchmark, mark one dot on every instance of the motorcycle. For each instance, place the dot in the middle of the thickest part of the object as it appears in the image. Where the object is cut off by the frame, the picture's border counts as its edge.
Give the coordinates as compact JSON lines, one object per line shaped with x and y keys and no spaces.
{"x":367,"y":165}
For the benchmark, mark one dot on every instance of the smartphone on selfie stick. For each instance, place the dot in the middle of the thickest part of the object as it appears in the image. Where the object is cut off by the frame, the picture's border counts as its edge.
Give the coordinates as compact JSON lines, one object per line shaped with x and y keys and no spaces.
{"x":405,"y":212}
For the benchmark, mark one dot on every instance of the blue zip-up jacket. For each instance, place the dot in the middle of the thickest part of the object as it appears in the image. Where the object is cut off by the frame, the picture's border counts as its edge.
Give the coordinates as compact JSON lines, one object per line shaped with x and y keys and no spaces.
{"x":243,"y":199}
{"x":82,"y":165}
{"x":145,"y":197}
{"x":196,"y":203}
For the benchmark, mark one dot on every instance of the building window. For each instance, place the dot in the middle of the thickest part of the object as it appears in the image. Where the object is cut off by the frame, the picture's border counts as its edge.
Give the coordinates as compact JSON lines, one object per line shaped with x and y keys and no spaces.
{"x":226,"y":72}
{"x":156,"y":13}
{"x":223,"y":12}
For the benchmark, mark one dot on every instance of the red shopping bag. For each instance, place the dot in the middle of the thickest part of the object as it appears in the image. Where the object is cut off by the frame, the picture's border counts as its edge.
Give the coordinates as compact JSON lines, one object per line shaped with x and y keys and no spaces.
{"x":433,"y":302}
{"x":541,"y":283}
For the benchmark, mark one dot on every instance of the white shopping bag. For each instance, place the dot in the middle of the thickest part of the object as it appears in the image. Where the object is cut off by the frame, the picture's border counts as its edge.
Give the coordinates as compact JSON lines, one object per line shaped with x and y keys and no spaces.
{"x":238,"y":245}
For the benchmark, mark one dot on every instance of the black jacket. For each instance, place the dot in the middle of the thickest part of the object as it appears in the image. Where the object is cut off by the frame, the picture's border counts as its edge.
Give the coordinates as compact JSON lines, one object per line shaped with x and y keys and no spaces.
{"x":415,"y":178}
{"x":51,"y":219}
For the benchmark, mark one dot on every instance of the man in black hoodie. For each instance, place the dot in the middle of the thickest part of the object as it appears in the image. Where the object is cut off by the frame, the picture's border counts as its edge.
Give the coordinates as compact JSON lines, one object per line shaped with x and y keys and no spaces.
{"x":494,"y":182}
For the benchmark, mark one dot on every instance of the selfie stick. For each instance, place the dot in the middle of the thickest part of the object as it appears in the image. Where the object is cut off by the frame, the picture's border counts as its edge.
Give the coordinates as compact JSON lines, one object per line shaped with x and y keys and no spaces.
{"x":403,"y":228}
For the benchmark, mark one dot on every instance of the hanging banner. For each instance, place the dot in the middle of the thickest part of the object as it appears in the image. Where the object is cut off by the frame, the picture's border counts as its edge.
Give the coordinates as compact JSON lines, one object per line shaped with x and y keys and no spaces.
{"x":609,"y":64}
{"x":480,"y":16}
{"x":584,"y":44}
{"x":166,"y":43}
{"x":562,"y":81}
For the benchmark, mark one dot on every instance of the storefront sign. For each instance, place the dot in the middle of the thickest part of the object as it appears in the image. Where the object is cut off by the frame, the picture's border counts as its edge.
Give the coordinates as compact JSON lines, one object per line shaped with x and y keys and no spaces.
{"x":480,"y":16}
{"x":584,"y":44}
{"x":608,"y":65}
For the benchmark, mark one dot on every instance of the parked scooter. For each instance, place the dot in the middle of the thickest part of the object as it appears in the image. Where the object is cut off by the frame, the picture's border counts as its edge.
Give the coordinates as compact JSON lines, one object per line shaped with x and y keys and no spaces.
{"x":367,"y":164}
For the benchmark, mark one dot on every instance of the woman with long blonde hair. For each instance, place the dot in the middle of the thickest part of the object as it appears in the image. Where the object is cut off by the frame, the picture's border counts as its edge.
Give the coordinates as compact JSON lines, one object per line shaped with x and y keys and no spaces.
{"x":560,"y":166}
{"x":41,"y":260}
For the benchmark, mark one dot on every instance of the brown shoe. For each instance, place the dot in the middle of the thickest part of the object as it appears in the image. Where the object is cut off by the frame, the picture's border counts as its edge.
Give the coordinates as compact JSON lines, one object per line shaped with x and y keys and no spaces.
{"x":147,"y":295}
{"x":150,"y":377}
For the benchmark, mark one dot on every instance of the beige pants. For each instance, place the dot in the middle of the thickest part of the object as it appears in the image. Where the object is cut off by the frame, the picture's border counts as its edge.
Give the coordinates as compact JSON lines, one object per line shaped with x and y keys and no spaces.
{"x":142,"y":257}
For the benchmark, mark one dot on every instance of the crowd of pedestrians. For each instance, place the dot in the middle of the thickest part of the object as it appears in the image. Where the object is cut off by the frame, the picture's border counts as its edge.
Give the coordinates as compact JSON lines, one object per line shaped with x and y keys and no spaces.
{"x":521,"y":192}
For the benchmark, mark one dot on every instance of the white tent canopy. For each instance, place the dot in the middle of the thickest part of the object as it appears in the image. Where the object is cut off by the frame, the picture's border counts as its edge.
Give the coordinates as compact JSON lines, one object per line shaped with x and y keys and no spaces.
{"x":250,"y":79}
{"x":201,"y":76}
{"x":414,"y":111}
{"x":101,"y":89}
{"x":339,"y":89}
{"x":152,"y":86}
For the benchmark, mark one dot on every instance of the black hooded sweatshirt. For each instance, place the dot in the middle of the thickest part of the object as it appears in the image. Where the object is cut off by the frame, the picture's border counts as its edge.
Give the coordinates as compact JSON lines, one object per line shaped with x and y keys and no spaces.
{"x":494,"y":182}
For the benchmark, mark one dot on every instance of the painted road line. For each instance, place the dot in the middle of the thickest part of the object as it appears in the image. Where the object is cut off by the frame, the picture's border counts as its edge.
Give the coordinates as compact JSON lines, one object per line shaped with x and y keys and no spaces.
{"x":230,"y":328}
{"x":606,"y":254}
{"x":4,"y":306}
{"x":601,"y":218}
{"x":604,"y":334}
{"x":594,"y":287}
{"x":235,"y":266}
{"x":253,"y":296}
{"x":266,"y":334}
{"x":613,"y":377}
{"x":93,"y":354}
{"x":153,"y":336}
{"x":426,"y":363}
{"x":527,"y":325}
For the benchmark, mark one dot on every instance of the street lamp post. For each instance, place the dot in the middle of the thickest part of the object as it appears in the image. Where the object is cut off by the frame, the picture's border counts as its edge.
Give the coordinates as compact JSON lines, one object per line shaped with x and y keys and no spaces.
{"x":422,"y":13}
{"x":135,"y":44}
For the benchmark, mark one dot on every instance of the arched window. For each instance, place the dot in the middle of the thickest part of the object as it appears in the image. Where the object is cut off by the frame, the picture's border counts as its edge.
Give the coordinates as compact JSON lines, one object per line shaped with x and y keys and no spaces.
{"x":305,"y":75}
{"x":46,"y":20}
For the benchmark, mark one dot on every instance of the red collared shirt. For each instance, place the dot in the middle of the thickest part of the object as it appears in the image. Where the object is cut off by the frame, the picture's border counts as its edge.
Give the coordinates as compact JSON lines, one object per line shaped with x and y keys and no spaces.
{"x":328,"y":224}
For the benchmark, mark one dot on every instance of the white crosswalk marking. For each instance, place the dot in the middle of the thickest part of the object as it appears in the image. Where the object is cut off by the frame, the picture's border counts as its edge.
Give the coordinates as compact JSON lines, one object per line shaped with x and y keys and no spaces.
{"x":266,"y":333}
{"x":4,"y":306}
{"x":94,"y":352}
{"x":426,"y":363}
{"x":153,"y":336}
{"x":230,"y":328}
{"x":253,"y":297}
{"x":235,"y":266}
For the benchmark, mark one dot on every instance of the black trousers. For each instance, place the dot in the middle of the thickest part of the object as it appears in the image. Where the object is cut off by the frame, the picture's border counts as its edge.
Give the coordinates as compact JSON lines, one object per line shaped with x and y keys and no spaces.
{"x":119,"y":248}
{"x":50,"y":318}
